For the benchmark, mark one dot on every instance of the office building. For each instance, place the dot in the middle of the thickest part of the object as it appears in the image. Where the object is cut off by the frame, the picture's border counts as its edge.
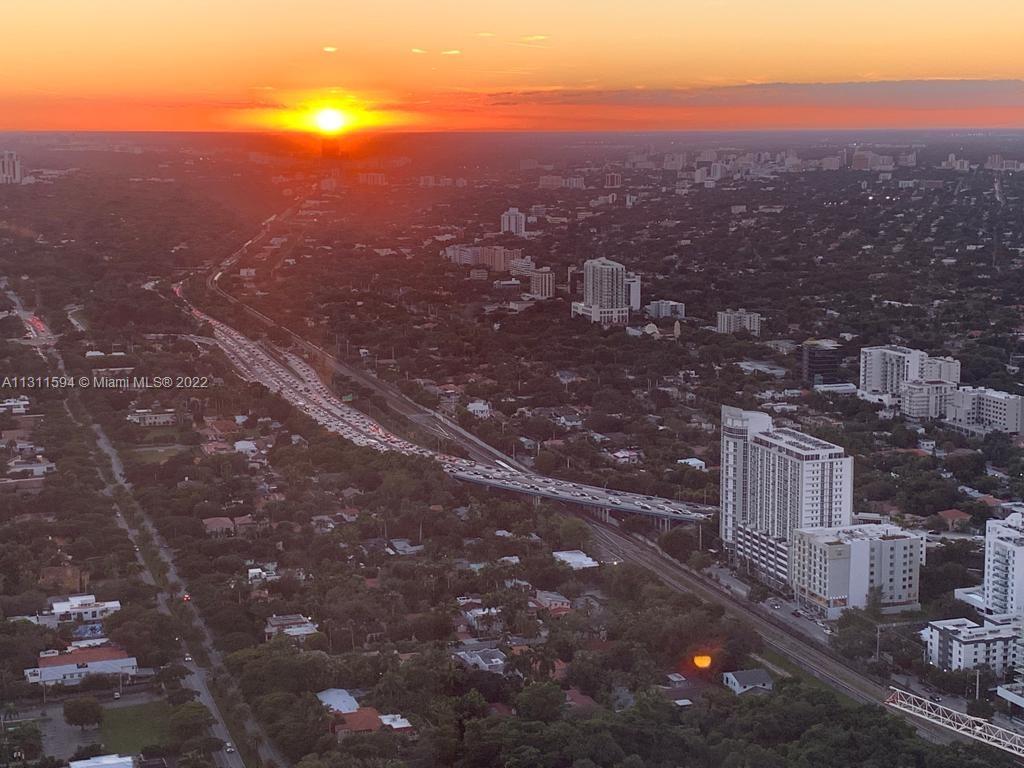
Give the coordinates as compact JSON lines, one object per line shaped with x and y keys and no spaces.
{"x":820,"y":359}
{"x":605,"y":294}
{"x":74,"y":665}
{"x":513,"y":222}
{"x":926,"y":399}
{"x":979,"y":410}
{"x":633,"y":291}
{"x":612,"y":180}
{"x":542,"y":283}
{"x":833,"y":569}
{"x":958,"y":645}
{"x":774,"y":481}
{"x":733,"y":320}
{"x":665,"y":308}
{"x":10,"y":168}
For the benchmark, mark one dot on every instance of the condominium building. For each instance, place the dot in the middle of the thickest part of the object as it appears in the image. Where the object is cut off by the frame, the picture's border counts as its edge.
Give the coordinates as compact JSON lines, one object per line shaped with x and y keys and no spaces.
{"x":926,"y":399}
{"x":497,"y":258}
{"x":513,"y":221}
{"x":542,"y":283}
{"x":665,"y":308}
{"x":521,"y":266}
{"x":1003,"y":588}
{"x":463,"y":255}
{"x":10,"y":168}
{"x":941,"y":369}
{"x":738,"y":426}
{"x":979,"y":410}
{"x":774,"y":481}
{"x":956,"y":645}
{"x":885,"y":370}
{"x":605,"y":295}
{"x":733,"y":320}
{"x":833,"y":569}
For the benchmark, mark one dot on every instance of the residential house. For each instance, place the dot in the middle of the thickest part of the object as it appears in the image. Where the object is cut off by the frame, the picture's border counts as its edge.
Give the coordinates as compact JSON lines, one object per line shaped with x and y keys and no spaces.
{"x":490,"y":660}
{"x":748,"y":680}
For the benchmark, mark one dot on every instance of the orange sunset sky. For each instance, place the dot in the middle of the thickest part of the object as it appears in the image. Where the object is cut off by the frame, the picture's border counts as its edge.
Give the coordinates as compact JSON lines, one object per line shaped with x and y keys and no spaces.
{"x":513,"y":65}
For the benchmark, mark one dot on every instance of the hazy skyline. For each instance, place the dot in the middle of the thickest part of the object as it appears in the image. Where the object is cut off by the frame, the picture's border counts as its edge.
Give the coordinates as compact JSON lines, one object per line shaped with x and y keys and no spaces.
{"x":456,"y":65}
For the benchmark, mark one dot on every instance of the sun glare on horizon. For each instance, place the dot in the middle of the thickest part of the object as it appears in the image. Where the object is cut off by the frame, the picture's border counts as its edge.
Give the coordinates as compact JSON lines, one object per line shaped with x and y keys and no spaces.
{"x":329,"y":120}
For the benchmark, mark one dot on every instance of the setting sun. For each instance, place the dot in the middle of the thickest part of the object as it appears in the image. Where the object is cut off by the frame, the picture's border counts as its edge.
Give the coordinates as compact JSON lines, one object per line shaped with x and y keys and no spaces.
{"x":330,"y":120}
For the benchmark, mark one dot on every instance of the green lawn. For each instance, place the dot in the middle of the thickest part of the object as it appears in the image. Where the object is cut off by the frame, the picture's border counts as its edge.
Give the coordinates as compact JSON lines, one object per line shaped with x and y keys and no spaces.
{"x":126,"y":730}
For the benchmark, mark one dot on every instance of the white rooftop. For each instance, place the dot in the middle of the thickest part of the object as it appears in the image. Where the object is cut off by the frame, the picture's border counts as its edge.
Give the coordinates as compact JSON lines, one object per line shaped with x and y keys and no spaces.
{"x":575,"y":559}
{"x":338,"y":700}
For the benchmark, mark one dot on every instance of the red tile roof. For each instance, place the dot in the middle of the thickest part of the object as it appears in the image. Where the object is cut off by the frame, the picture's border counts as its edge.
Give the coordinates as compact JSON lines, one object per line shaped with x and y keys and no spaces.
{"x":363,"y":720}
{"x":83,"y":656}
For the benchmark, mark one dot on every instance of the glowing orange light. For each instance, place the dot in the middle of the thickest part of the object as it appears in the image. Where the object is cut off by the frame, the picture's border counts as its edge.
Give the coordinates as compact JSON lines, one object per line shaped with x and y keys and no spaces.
{"x":330,"y":120}
{"x":702,"y":661}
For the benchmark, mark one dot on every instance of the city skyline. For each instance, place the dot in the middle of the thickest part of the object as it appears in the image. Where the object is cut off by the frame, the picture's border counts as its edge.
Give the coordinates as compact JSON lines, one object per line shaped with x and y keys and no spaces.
{"x":568,"y":67}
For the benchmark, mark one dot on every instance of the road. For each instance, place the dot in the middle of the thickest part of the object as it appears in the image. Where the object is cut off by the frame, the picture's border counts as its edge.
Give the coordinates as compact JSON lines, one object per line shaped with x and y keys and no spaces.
{"x":430,"y":420}
{"x":39,"y":334}
{"x":197,"y":678}
{"x":299,"y":383}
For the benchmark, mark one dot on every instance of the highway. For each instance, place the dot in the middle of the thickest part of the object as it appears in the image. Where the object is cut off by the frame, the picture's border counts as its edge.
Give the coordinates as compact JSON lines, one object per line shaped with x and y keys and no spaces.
{"x":805,"y":654}
{"x":297,"y":381}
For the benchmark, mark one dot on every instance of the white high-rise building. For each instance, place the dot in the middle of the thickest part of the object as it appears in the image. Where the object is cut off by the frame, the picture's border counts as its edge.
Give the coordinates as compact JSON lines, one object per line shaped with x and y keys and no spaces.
{"x":732,"y":320}
{"x":956,"y":645}
{"x":738,"y":426}
{"x":833,"y":569}
{"x":605,"y":294}
{"x":979,"y":410}
{"x":542,"y":283}
{"x":1003,"y":587}
{"x":10,"y":168}
{"x":513,"y":221}
{"x":774,"y":481}
{"x":926,"y":399}
{"x":941,"y":369}
{"x":884,"y":370}
{"x":663,"y":308}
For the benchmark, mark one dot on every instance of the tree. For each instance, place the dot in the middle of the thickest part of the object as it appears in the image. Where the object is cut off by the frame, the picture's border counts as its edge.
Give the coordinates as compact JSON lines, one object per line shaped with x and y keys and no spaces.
{"x":83,"y":711}
{"x":189,"y":720}
{"x":540,"y":701}
{"x":757,"y":593}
